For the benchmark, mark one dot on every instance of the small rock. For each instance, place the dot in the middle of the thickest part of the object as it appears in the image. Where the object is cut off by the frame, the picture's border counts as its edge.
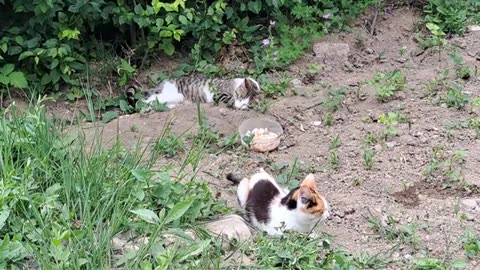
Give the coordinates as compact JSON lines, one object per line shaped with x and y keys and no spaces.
{"x":473,"y":28}
{"x":369,"y":50}
{"x":231,"y":226}
{"x":470,"y":203}
{"x":401,"y":60}
{"x":378,"y":148}
{"x":296,"y":83}
{"x":401,"y":95}
{"x":352,"y":154}
{"x":349,"y":211}
{"x":423,"y":139}
{"x":469,"y":217}
{"x":317,"y":123}
{"x":408,"y":257}
{"x":411,"y":141}
{"x":383,"y":60}
{"x":348,"y":67}
{"x":390,"y":144}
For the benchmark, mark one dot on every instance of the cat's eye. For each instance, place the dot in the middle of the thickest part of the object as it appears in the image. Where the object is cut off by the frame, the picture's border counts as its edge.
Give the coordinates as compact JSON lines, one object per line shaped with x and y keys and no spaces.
{"x":305,"y":200}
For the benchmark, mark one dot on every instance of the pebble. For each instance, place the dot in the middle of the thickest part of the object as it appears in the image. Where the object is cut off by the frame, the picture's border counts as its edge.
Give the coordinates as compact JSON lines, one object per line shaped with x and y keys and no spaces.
{"x":391,"y":144}
{"x":401,"y":60}
{"x":231,"y":227}
{"x":369,"y":50}
{"x":317,"y":123}
{"x":470,"y":203}
{"x":296,"y":83}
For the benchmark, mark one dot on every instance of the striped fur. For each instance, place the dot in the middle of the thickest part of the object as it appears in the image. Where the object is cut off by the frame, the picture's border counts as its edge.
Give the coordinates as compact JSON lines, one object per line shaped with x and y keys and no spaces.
{"x":237,"y":93}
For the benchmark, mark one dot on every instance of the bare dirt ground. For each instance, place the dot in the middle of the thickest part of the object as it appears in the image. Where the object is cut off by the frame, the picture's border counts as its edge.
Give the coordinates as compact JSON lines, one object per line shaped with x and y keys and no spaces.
{"x":396,"y":186}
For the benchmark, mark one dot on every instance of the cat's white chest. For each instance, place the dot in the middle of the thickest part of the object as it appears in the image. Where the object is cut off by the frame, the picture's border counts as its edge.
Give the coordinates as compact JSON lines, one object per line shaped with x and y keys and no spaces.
{"x":169,"y":94}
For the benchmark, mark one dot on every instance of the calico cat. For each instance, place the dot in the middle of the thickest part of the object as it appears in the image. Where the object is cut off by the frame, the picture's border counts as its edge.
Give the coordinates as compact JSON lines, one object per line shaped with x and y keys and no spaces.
{"x":236,"y":93}
{"x":273,"y":209}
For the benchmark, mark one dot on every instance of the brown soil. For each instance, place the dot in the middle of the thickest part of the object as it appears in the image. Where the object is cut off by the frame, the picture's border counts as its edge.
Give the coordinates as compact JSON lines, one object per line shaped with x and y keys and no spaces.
{"x":395,"y":186}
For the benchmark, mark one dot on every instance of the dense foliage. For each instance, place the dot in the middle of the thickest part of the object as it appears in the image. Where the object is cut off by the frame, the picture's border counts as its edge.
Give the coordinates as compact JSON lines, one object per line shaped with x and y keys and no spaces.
{"x":48,"y":43}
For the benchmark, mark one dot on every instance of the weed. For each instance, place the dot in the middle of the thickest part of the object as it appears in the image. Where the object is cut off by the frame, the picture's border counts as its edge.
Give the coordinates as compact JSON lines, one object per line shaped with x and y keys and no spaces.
{"x":437,"y":38}
{"x":456,"y":98}
{"x":262,"y":106}
{"x":462,"y":71}
{"x":272,"y":89}
{"x":368,"y":157}
{"x":438,"y":85}
{"x":436,"y":264}
{"x":391,"y":120}
{"x":446,"y":167}
{"x":333,"y":102}
{"x":391,"y":230}
{"x":471,"y":243}
{"x":328,"y":119}
{"x":169,"y":144}
{"x":333,"y":157}
{"x":451,"y":16}
{"x":387,"y":83}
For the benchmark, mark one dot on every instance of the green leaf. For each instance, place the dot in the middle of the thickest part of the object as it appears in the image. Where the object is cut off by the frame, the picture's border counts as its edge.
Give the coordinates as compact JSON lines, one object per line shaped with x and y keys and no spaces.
{"x":109,"y":116}
{"x":168,"y":48}
{"x":147,"y":215}
{"x":459,"y":264}
{"x":17,"y":79}
{"x":7,"y":69}
{"x":3,"y":217}
{"x":124,"y":106}
{"x":178,"y":210}
{"x":45,"y":79}
{"x":183,"y":19}
{"x":4,"y":79}
{"x":25,"y":55}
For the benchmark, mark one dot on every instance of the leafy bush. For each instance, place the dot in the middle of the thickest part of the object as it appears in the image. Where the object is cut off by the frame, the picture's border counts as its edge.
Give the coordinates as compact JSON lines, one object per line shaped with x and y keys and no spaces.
{"x":54,"y":43}
{"x":387,"y":83}
{"x":452,"y":15}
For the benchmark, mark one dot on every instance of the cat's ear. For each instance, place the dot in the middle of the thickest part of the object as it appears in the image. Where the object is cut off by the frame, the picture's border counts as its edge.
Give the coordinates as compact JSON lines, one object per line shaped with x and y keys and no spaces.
{"x":309,"y":181}
{"x":252,"y":85}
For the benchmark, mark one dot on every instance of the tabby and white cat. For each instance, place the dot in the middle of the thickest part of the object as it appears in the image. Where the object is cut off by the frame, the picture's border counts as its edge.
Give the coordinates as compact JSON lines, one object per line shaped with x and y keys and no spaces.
{"x":273,"y":209}
{"x":236,"y":93}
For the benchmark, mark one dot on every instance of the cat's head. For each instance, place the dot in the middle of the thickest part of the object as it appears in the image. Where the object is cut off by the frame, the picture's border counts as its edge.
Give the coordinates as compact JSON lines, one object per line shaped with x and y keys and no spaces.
{"x":245,"y":93}
{"x":308,"y":200}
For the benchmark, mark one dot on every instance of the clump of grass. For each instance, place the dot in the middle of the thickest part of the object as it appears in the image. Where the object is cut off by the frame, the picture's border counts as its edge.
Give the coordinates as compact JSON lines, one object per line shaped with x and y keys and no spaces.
{"x":462,"y":71}
{"x":74,"y":202}
{"x":456,"y":98}
{"x":387,"y":83}
{"x":471,"y":243}
{"x":169,"y":144}
{"x":333,"y":158}
{"x":447,"y":167}
{"x":391,"y":230}
{"x":331,"y":104}
{"x":368,"y":151}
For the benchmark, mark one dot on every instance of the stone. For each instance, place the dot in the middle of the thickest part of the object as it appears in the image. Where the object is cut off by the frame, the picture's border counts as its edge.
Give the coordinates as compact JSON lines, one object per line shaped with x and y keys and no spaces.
{"x":369,"y":50}
{"x":296,"y":83}
{"x":473,"y":28}
{"x":391,"y":144}
{"x":223,"y":111}
{"x":331,"y":52}
{"x":127,"y":242}
{"x":470,"y":203}
{"x":231,"y":227}
{"x":401,"y":60}
{"x":317,"y":123}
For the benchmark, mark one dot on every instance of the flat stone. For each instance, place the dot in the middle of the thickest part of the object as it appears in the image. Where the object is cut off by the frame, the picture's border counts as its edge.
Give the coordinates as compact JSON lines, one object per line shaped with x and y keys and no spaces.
{"x":473,"y":28}
{"x":470,"y":203}
{"x":296,"y":83}
{"x":127,"y":242}
{"x":391,"y":144}
{"x":231,"y":227}
{"x":331,"y":52}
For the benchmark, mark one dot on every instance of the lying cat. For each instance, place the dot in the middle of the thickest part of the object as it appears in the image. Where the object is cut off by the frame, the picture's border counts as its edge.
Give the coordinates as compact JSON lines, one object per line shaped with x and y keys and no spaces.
{"x":273,"y":209}
{"x":236,"y":93}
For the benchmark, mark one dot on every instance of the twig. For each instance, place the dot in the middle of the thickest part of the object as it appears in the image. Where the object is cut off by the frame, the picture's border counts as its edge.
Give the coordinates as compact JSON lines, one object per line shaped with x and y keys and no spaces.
{"x":375,"y":18}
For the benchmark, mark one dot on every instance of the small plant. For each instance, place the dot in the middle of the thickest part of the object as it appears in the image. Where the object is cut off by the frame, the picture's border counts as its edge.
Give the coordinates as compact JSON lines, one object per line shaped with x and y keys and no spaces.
{"x":333,"y":158}
{"x":462,"y":71}
{"x":437,"y":38}
{"x":387,"y":83}
{"x":456,"y":98}
{"x":438,"y":85}
{"x":272,"y":89}
{"x":333,"y":102}
{"x":436,"y":264}
{"x":169,"y":144}
{"x":446,"y":167}
{"x":390,"y":120}
{"x":368,"y":157}
{"x":471,"y":243}
{"x":262,"y":106}
{"x":391,"y":230}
